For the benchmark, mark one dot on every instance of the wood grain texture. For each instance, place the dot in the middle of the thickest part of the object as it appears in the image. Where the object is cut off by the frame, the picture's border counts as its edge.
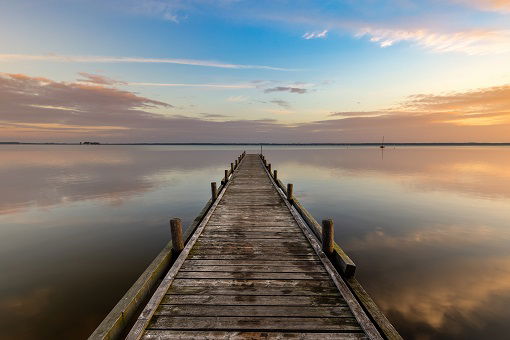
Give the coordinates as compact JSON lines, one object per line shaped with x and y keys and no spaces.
{"x":251,"y":270}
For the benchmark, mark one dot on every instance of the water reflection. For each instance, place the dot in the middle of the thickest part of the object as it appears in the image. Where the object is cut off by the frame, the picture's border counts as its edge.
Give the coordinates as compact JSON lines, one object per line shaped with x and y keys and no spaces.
{"x":79,"y":224}
{"x":428,"y":228}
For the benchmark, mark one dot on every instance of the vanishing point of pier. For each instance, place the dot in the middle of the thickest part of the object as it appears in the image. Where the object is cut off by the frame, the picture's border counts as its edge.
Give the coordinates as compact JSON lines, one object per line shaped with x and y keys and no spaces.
{"x":253,"y":265}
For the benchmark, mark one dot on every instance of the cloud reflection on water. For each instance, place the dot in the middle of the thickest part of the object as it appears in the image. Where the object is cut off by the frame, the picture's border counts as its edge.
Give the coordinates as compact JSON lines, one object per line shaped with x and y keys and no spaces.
{"x":427,"y":227}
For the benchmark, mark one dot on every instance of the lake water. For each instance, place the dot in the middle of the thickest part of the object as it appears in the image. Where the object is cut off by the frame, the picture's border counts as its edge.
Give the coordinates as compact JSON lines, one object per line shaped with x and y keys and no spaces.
{"x":428,"y":227}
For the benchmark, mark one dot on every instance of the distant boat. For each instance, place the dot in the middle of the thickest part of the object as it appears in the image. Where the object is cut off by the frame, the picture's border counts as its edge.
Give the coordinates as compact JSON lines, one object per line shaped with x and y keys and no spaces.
{"x":382,"y":144}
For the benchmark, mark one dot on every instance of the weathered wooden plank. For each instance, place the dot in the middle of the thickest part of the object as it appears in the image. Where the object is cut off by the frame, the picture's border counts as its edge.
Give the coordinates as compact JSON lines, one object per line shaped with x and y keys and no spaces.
{"x":251,"y":275}
{"x":253,"y":323}
{"x":224,"y":250}
{"x":253,"y":268}
{"x":248,"y":263}
{"x":263,"y":256}
{"x":319,"y":292}
{"x":229,"y":233}
{"x":254,"y":311}
{"x":222,"y":335}
{"x":251,"y":283}
{"x":244,"y":243}
{"x":254,"y":300}
{"x":254,"y":224}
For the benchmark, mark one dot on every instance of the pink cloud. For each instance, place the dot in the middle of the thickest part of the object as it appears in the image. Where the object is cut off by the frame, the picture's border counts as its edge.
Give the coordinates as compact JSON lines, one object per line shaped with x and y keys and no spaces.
{"x":33,"y":108}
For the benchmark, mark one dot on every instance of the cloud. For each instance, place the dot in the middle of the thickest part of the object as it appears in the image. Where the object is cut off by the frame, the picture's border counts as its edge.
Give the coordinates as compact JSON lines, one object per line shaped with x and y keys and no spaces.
{"x":213,"y":115}
{"x":281,"y":103}
{"x":315,"y":35}
{"x":98,"y":79}
{"x":237,"y":99}
{"x":33,"y":108}
{"x":219,"y":86}
{"x":110,"y":59}
{"x":290,"y":89}
{"x":476,"y":42}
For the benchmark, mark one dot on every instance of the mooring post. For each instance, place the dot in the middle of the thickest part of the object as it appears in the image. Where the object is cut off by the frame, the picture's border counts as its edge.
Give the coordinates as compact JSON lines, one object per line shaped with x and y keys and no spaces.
{"x":176,"y":230}
{"x":236,"y":163}
{"x":214,"y":191}
{"x":269,"y":168}
{"x":327,"y":236}
{"x":226,"y":177}
{"x":290,"y":195}
{"x":232,"y":167}
{"x":275,"y":176}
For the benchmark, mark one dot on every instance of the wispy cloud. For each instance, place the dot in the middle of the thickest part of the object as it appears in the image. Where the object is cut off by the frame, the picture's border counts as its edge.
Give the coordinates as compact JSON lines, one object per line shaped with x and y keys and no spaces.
{"x":34,"y":108}
{"x":315,"y":35}
{"x":98,"y":79}
{"x":477,"y":42}
{"x":281,"y":103}
{"x":237,"y":99}
{"x":290,"y":89}
{"x":220,"y":86}
{"x":110,"y":59}
{"x":213,"y":115}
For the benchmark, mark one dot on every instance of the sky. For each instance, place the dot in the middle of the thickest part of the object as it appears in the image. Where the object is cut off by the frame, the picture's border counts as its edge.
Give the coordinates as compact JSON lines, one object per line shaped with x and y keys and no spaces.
{"x":255,"y":71}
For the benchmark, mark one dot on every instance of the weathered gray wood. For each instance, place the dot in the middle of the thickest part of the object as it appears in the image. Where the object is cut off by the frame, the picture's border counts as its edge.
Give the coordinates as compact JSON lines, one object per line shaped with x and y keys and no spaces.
{"x":239,"y":291}
{"x":176,"y":229}
{"x":217,"y":335}
{"x":327,"y":236}
{"x":256,"y":300}
{"x":364,"y":321}
{"x":263,"y":256}
{"x":254,"y":311}
{"x":369,"y":305}
{"x":252,"y":283}
{"x":290,"y":191}
{"x":143,"y":320}
{"x":249,"y":263}
{"x":340,"y":259}
{"x":252,"y":267}
{"x":251,"y":275}
{"x":214,"y":191}
{"x":255,"y":324}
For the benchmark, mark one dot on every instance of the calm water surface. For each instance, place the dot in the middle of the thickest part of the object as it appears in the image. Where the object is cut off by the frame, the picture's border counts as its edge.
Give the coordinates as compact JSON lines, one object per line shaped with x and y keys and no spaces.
{"x":428,"y":227}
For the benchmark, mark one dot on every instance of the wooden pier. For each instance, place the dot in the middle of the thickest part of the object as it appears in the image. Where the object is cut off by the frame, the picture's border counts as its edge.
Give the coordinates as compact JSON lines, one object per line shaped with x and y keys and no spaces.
{"x":253,"y":265}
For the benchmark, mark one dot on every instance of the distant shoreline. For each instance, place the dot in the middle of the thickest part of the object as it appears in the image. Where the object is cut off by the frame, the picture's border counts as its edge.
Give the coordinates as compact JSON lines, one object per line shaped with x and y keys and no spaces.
{"x":269,"y":144}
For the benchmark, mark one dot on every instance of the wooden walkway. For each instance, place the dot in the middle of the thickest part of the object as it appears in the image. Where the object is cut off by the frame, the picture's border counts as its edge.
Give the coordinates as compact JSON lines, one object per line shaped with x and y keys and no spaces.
{"x":252,"y":270}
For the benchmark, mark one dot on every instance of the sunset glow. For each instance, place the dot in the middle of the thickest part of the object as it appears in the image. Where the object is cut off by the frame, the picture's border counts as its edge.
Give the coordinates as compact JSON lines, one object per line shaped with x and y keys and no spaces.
{"x":240,"y":71}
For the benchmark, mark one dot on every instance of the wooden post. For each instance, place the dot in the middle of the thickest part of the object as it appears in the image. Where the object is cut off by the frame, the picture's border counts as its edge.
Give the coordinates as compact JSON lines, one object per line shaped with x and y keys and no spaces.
{"x":176,"y":230}
{"x":290,"y":195}
{"x":269,"y":168}
{"x":328,"y":235}
{"x":275,"y":176}
{"x":236,"y":163}
{"x":226,"y":176}
{"x":214,"y":191}
{"x":232,"y":167}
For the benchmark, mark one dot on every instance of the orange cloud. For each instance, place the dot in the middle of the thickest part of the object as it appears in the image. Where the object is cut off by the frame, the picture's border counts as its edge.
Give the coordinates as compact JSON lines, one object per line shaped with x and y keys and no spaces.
{"x":40,"y":109}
